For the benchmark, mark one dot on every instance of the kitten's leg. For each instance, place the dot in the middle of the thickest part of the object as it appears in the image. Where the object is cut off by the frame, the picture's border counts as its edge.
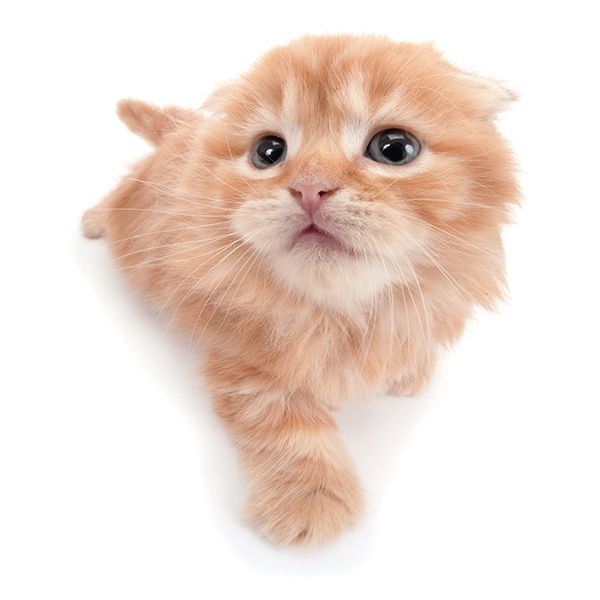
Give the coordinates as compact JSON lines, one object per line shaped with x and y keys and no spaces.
{"x":304,"y":488}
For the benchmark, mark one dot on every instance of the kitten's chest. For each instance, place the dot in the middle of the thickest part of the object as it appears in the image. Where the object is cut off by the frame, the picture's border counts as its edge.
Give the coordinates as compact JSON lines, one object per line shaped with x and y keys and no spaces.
{"x":334,"y":361}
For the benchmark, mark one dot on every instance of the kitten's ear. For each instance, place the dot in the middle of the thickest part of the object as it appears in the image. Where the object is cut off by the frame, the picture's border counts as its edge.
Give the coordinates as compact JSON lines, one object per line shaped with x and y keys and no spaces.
{"x":491,"y":97}
{"x":153,"y":122}
{"x":218,"y":98}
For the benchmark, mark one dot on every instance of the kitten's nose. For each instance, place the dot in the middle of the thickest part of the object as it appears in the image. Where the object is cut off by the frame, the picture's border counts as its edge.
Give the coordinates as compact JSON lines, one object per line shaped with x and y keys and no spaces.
{"x":310,"y":196}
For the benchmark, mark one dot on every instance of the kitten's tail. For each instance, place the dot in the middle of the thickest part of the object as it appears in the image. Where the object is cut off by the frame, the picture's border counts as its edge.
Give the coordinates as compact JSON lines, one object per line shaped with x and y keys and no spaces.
{"x":152,"y":122}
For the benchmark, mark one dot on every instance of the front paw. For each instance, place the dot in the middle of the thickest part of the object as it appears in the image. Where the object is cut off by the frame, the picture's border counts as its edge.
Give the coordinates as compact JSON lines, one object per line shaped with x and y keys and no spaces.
{"x":306,"y":512}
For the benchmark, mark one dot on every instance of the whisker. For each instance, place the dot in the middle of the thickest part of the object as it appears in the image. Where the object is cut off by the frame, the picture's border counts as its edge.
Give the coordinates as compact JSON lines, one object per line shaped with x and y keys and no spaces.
{"x":369,"y":328}
{"x":177,"y":193}
{"x":215,"y":309}
{"x":221,"y":180}
{"x":210,"y":256}
{"x":455,"y":285}
{"x":148,"y":210}
{"x":444,"y":232}
{"x":391,"y":308}
{"x":162,"y":231}
{"x":236,"y":244}
{"x":426,"y":315}
{"x":161,"y":258}
{"x":171,"y":245}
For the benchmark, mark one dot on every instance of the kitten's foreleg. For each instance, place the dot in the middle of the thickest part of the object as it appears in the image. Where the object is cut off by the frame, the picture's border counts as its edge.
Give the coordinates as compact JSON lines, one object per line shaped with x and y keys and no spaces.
{"x":304,"y":488}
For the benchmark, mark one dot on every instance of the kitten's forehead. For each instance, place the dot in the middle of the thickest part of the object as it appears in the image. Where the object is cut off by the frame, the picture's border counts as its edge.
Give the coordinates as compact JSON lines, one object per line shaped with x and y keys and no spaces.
{"x":317,"y":82}
{"x":317,"y":115}
{"x":325,"y":105}
{"x":328,"y":96}
{"x":342,"y":91}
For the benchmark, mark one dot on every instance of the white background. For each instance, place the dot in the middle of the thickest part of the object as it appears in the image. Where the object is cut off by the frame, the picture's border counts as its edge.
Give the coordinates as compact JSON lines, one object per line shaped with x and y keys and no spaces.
{"x":116,"y":481}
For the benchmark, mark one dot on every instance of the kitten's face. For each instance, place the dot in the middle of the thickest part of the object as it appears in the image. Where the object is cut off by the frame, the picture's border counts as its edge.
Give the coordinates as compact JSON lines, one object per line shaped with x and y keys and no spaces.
{"x":348,"y":163}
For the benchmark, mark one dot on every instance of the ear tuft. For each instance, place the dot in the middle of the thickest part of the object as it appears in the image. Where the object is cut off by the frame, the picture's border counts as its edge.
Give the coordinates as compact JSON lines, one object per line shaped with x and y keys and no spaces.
{"x":152,"y":122}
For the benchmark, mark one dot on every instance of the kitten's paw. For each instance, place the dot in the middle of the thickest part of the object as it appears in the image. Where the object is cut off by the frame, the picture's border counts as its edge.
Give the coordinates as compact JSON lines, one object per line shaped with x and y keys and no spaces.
{"x":298,"y":513}
{"x":92,"y":223}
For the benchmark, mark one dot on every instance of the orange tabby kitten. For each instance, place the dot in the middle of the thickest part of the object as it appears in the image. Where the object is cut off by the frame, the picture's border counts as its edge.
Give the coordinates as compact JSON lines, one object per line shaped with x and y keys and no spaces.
{"x":324,"y":224}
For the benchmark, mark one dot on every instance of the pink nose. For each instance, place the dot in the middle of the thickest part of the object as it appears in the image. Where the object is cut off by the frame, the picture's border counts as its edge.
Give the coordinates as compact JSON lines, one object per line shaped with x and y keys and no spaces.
{"x":310,"y":196}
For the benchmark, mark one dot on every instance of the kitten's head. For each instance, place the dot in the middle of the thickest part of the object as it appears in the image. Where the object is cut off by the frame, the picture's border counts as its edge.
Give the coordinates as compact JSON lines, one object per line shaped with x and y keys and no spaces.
{"x":350,"y":162}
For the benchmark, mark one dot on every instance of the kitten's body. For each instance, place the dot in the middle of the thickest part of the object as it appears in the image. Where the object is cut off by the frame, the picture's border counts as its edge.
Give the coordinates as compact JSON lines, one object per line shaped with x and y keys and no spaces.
{"x":292,"y":326}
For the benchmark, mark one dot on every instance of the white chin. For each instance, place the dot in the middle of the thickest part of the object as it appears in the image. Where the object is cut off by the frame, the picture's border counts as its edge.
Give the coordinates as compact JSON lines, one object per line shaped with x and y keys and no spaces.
{"x":335,"y":278}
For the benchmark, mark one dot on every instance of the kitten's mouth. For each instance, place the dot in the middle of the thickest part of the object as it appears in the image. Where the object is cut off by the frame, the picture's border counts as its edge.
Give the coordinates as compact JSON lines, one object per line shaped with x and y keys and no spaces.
{"x":313,"y":234}
{"x":313,"y":229}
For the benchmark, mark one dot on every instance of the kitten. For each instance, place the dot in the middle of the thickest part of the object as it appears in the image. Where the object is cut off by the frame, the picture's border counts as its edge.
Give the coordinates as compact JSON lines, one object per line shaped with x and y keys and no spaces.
{"x":324,"y":225}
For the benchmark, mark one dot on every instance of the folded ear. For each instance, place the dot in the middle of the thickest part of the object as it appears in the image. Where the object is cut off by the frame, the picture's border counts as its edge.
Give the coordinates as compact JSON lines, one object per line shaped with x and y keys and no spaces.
{"x":490,"y":96}
{"x":215,"y":102}
{"x":153,"y":122}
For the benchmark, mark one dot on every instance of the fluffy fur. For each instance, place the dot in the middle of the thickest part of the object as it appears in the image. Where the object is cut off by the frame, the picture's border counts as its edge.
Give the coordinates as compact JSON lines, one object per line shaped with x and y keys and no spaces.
{"x":291,"y":330}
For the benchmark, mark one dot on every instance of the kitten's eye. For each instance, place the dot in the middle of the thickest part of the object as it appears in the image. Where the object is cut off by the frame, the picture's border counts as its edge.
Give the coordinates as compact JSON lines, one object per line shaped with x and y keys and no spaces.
{"x":393,"y":147}
{"x":268,"y":151}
